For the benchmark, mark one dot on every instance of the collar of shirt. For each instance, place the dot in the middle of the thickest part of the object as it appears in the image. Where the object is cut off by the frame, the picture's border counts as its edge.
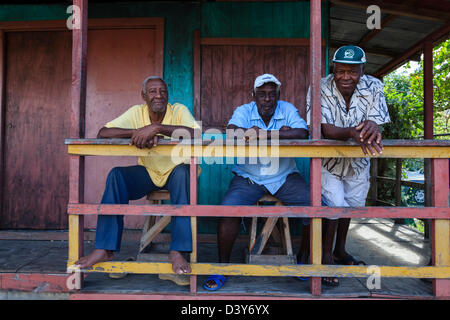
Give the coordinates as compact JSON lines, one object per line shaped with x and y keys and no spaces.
{"x":277,"y":115}
{"x":167,"y":116}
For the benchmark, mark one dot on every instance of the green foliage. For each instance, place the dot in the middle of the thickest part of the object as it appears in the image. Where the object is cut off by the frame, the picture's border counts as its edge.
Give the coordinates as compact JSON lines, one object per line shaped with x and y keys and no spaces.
{"x":404,"y":97}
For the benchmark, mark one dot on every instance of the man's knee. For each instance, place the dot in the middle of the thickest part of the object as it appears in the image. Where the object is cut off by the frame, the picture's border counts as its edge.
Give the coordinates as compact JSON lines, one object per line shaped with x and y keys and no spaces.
{"x":229,"y":220}
{"x":181,"y":172}
{"x":115,"y":173}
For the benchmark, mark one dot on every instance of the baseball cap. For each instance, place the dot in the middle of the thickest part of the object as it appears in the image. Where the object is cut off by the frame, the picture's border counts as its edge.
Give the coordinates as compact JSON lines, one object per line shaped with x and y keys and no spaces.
{"x":349,"y":55}
{"x":266,"y":78}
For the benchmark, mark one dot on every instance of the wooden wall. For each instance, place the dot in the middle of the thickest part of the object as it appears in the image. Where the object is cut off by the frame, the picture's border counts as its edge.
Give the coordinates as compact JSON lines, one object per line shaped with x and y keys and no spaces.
{"x":215,"y":19}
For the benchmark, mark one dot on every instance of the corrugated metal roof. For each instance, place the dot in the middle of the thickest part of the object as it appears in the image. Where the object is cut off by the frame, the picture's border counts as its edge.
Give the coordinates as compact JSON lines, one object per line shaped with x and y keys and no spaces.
{"x":408,"y":23}
{"x":404,"y":24}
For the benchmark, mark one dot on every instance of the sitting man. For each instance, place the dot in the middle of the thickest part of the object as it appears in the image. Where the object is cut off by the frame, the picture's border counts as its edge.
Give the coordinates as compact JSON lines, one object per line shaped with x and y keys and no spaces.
{"x":266,"y":116}
{"x":352,"y":107}
{"x":142,"y":123}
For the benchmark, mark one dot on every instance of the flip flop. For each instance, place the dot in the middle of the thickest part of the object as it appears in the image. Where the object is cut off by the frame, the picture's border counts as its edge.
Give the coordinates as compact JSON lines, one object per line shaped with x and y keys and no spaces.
{"x":218,"y":279}
{"x":331,"y":283}
{"x":179,"y":279}
{"x":120,"y":275}
{"x":346,"y":261}
{"x":302,"y":278}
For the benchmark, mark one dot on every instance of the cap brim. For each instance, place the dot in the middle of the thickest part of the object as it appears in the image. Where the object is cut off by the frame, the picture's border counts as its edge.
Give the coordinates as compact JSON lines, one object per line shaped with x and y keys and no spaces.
{"x":260,"y":85}
{"x":348,"y":62}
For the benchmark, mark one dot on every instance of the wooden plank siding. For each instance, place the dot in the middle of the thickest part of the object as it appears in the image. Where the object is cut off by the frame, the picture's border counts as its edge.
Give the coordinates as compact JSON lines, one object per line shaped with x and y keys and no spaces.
{"x":234,"y":21}
{"x":35,"y":183}
{"x":239,"y":41}
{"x":229,"y":71}
{"x":37,"y":113}
{"x":118,"y":62}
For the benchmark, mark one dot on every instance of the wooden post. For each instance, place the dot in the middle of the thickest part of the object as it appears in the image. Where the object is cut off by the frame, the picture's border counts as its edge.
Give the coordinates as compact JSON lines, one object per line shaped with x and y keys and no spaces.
{"x":398,"y":188}
{"x":436,"y":188}
{"x":316,"y":163}
{"x":197,"y":68}
{"x":193,"y":200}
{"x":440,"y":233}
{"x":428,"y":110}
{"x":2,"y":114}
{"x":373,"y":181}
{"x":428,"y":88}
{"x":77,"y":112}
{"x":428,"y":119}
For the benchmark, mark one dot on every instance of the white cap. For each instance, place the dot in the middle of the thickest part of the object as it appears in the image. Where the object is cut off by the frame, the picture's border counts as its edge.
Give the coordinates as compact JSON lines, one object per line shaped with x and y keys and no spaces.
{"x":266,"y":78}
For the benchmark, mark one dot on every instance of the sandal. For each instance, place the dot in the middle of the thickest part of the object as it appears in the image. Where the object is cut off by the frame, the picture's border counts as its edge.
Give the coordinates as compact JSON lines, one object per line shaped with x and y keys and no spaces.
{"x":330,"y":281}
{"x":349,"y":261}
{"x":120,"y":275}
{"x":179,"y":279}
{"x":218,"y":279}
{"x":302,"y":278}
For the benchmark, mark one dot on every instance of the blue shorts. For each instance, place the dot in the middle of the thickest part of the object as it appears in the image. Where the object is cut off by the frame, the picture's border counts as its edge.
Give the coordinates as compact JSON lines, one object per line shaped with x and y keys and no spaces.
{"x":244,"y":192}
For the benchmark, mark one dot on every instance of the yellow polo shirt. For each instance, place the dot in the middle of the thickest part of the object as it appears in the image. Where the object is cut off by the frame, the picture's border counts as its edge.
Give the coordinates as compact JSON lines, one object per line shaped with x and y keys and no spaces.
{"x":158,"y":166}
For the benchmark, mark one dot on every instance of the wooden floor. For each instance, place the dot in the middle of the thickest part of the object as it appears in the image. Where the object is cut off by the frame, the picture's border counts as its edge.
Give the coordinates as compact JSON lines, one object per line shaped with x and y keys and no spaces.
{"x":377,"y":242}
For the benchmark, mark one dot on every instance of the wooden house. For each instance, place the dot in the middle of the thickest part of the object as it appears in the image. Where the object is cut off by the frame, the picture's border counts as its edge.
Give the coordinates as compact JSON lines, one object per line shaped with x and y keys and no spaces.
{"x":62,"y":78}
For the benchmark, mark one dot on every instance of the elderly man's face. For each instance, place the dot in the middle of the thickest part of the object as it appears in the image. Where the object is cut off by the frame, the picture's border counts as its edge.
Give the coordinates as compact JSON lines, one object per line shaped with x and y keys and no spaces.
{"x":266,"y":99}
{"x":156,"y":95}
{"x":347,"y":77}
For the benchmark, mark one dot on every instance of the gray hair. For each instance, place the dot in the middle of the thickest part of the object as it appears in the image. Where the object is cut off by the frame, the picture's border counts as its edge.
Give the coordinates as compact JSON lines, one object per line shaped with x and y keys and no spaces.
{"x":144,"y":83}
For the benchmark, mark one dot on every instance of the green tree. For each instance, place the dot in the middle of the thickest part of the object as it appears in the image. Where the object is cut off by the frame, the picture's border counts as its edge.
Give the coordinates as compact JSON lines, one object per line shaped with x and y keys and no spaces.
{"x":404,"y":97}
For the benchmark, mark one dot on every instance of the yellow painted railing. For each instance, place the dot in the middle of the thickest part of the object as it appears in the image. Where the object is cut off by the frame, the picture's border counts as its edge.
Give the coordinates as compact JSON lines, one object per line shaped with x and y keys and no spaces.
{"x":437,"y":150}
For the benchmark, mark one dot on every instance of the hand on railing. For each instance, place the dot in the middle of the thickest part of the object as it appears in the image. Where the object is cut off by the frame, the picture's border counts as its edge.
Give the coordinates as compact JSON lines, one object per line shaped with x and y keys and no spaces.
{"x":368,"y":135}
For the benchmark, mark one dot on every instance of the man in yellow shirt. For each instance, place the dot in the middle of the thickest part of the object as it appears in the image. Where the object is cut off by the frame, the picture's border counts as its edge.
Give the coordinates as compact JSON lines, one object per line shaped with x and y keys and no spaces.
{"x":142,"y":124}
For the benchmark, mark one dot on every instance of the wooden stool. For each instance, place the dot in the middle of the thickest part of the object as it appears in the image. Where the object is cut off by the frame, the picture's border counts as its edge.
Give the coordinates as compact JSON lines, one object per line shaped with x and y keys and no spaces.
{"x":153,"y":225}
{"x":257,"y":243}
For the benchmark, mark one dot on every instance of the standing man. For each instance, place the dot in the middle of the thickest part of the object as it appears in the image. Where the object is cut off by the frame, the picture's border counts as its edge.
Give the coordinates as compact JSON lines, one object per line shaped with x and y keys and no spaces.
{"x":143,"y":124}
{"x":353,"y":106}
{"x":266,"y":117}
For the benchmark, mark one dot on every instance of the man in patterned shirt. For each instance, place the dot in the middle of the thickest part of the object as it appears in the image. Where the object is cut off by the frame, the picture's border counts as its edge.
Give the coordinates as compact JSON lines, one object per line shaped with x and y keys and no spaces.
{"x":353,"y":106}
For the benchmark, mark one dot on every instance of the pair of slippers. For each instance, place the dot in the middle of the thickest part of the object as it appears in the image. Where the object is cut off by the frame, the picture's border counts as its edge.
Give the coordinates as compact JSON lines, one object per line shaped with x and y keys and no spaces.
{"x":218,"y":279}
{"x":179,"y":279}
{"x":349,"y":261}
{"x":328,"y":281}
{"x":120,"y":275}
{"x":334,"y":281}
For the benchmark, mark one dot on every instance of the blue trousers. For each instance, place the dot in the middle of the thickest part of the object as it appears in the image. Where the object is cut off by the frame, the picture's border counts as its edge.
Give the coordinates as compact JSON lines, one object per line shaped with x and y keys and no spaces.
{"x":131,"y":183}
{"x":294,"y":192}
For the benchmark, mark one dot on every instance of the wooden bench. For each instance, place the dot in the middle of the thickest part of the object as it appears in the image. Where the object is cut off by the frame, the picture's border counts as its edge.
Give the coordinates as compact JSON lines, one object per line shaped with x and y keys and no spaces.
{"x":153,"y":225}
{"x":258,"y":243}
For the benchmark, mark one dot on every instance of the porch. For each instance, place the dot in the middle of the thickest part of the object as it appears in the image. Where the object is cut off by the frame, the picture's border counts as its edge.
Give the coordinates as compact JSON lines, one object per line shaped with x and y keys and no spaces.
{"x":33,"y":265}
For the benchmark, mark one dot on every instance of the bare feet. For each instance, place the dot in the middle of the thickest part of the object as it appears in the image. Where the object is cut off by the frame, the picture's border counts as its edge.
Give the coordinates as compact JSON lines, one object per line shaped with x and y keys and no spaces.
{"x":98,"y":255}
{"x":329,"y":281}
{"x":179,"y":263}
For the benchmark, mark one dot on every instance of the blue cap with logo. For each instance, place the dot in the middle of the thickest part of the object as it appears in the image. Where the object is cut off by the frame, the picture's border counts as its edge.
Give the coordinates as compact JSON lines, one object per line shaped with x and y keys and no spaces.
{"x":349,"y":55}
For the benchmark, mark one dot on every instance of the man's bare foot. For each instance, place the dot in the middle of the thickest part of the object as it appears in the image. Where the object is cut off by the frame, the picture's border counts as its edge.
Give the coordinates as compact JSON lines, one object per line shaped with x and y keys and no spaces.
{"x":179,"y":263}
{"x":327,"y":258}
{"x":98,"y":255}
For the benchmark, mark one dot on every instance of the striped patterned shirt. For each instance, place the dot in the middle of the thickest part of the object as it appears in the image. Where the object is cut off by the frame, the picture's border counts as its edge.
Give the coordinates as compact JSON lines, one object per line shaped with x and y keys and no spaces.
{"x":367,"y":103}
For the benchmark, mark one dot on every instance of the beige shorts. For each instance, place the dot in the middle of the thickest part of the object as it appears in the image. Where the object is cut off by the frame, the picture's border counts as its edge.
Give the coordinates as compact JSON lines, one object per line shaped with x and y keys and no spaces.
{"x":347,"y":191}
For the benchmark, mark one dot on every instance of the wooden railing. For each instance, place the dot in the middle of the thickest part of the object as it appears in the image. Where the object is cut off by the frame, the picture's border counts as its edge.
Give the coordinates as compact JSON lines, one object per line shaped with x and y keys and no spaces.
{"x":438,"y":151}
